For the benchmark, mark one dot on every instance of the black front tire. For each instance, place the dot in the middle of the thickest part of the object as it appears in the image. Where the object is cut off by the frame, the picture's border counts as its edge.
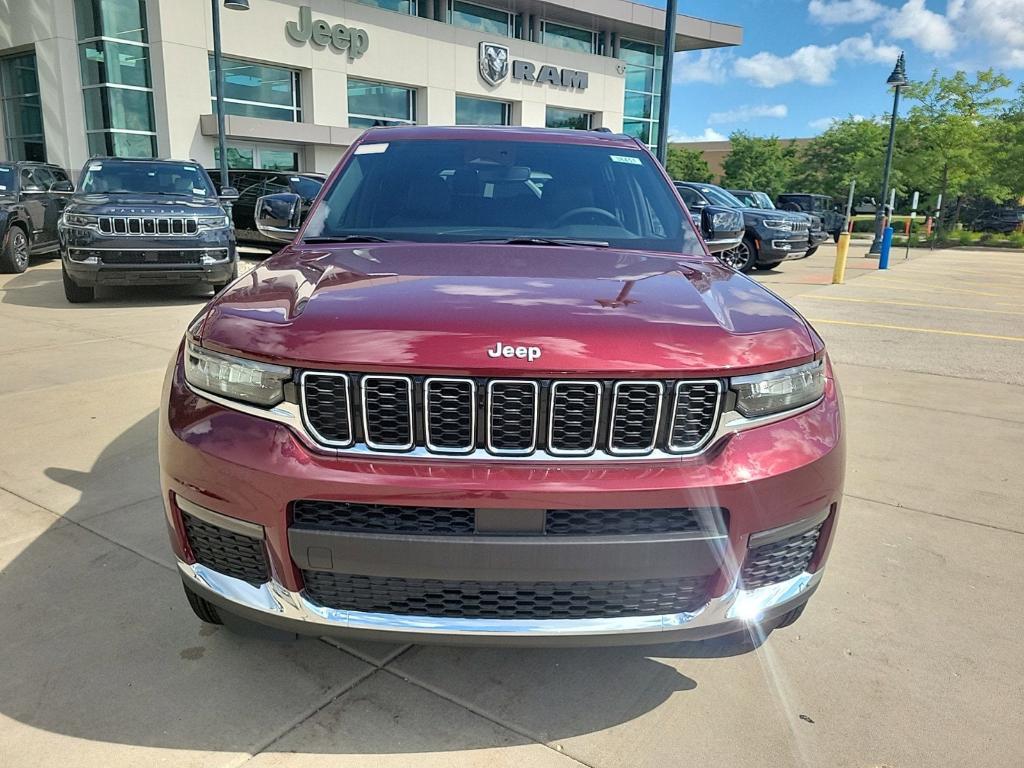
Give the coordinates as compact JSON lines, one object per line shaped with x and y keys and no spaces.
{"x":743,"y":257}
{"x":75,"y":293}
{"x":14,"y":252}
{"x":218,"y":287}
{"x":202,"y":608}
{"x":811,"y":251}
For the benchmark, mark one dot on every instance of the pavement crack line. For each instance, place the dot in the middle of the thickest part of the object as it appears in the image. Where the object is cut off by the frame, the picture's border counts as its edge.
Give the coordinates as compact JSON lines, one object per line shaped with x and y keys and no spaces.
{"x":844,"y":363}
{"x":480,"y":713}
{"x":81,"y":524}
{"x":934,"y":410}
{"x":332,"y":696}
{"x":954,"y":518}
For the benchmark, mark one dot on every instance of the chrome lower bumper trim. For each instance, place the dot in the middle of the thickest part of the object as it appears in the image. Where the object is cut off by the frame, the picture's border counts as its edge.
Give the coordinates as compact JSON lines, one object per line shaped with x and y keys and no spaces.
{"x":272,"y":599}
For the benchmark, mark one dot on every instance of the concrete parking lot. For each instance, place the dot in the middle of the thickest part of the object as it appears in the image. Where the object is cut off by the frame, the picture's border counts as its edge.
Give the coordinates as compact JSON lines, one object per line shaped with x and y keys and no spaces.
{"x":909,"y":655}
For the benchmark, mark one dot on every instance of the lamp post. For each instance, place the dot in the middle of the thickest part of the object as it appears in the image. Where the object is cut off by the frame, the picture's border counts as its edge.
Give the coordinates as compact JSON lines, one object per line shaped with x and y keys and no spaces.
{"x":666,"y":80}
{"x":898,"y":79}
{"x":218,"y":76}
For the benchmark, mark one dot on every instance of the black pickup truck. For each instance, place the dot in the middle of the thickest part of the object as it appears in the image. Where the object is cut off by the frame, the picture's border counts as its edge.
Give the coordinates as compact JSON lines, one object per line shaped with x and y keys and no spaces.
{"x":32,"y":197}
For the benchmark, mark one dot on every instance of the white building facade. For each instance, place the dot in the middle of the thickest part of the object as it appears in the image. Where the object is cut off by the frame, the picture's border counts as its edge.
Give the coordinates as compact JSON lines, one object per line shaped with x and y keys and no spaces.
{"x":303,"y":78}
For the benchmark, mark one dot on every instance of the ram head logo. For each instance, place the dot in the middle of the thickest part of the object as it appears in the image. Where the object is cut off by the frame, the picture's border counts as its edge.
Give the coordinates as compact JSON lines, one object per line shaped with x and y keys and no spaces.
{"x":494,"y":62}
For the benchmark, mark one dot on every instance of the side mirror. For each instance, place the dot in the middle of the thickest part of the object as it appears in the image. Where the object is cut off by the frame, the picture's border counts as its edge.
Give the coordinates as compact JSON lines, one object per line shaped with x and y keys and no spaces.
{"x":228,"y":194}
{"x":722,"y":228}
{"x":62,"y":187}
{"x":279,"y":216}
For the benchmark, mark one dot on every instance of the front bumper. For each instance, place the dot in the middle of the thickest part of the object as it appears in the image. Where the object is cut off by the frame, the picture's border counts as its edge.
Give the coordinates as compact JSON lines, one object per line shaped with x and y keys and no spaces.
{"x":208,"y":257}
{"x":245,"y":473}
{"x":773,"y":246}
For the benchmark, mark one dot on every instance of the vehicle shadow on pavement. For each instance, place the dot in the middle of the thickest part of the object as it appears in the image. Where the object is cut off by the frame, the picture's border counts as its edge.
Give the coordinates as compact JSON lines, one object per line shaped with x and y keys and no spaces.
{"x":42,"y":287}
{"x":100,"y":644}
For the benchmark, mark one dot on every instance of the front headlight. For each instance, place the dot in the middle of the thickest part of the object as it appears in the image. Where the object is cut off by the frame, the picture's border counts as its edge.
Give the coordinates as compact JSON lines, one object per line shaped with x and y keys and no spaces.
{"x":81,"y":220}
{"x":214,"y":222}
{"x":766,"y":393}
{"x":235,"y":377}
{"x":780,"y":224}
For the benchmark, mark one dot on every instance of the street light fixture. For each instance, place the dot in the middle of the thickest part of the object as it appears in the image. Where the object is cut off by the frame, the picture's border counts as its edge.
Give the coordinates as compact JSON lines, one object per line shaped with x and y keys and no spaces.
{"x":897,"y":80}
{"x":218,"y":75}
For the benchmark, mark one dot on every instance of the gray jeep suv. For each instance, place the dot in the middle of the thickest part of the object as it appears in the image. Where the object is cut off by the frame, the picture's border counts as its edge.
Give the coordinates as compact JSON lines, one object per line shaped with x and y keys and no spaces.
{"x":145,"y":222}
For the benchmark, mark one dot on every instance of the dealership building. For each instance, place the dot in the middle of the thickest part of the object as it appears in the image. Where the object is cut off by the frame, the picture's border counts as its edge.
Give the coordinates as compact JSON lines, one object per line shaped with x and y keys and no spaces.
{"x":303,"y":78}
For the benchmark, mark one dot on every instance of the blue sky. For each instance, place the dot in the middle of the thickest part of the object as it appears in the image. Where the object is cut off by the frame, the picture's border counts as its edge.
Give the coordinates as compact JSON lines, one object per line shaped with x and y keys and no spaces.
{"x":805,"y":62}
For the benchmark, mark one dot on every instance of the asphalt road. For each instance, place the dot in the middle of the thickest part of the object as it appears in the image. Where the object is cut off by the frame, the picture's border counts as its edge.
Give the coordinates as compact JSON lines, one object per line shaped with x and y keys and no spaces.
{"x":908,"y":656}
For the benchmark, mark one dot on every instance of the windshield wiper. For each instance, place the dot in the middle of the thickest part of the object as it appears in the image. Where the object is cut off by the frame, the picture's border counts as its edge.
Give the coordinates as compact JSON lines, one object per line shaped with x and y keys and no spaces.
{"x":347,"y":239}
{"x":544,"y":241}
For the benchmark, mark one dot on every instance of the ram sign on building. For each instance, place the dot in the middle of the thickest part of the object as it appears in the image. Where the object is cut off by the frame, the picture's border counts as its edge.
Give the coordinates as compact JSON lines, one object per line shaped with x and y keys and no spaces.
{"x":80,"y":78}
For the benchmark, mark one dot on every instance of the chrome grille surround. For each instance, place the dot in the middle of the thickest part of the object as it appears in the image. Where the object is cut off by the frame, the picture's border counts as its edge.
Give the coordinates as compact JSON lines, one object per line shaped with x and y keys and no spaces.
{"x":499,"y":396}
{"x":149,"y":226}
{"x":381,"y":393}
{"x":585,"y":421}
{"x":467,"y":417}
{"x":628,"y":437}
{"x":447,"y":400}
{"x":691,"y":388}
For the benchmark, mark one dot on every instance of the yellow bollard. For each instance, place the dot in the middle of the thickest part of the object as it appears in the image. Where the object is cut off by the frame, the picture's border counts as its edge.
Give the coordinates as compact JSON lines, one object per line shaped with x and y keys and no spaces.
{"x":842,"y":248}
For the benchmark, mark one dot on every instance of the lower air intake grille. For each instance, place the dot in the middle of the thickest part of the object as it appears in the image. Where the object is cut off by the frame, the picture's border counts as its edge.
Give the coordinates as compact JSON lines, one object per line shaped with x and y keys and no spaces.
{"x":382,"y":518}
{"x":780,"y":560}
{"x":623,"y":522}
{"x":225,"y":551}
{"x":506,"y":600}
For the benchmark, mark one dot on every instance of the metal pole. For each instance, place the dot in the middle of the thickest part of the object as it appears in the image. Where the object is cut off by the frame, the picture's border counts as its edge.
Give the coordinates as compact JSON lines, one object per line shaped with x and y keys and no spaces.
{"x":218,"y":74}
{"x":666,"y":80}
{"x":876,"y":245}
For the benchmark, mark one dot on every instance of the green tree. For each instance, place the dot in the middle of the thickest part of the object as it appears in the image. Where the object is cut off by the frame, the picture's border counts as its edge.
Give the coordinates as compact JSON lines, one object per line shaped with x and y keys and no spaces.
{"x":763,"y":164}
{"x":1008,"y":133}
{"x":684,"y":164}
{"x":852,"y":149}
{"x":951,"y":136}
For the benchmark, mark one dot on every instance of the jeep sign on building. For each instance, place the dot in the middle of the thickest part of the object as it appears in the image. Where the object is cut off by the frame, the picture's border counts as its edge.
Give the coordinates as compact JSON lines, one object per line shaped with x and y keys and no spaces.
{"x":80,"y":78}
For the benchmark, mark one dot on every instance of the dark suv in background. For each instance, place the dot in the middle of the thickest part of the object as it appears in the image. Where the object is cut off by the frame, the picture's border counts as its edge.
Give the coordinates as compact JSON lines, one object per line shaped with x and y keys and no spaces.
{"x":254,"y":184}
{"x":822,"y":206}
{"x":145,"y":222}
{"x":32,"y":196}
{"x":755,"y":199}
{"x":771,"y":237}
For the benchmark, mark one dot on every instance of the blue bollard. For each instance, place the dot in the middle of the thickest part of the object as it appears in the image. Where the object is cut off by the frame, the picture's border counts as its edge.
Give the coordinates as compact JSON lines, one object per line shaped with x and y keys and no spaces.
{"x":883,"y":256}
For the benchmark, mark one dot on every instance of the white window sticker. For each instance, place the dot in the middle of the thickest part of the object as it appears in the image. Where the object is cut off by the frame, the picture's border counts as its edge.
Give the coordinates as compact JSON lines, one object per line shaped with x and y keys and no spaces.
{"x":372,"y":149}
{"x":198,"y":191}
{"x":3,"y":188}
{"x":96,"y":167}
{"x":627,"y":159}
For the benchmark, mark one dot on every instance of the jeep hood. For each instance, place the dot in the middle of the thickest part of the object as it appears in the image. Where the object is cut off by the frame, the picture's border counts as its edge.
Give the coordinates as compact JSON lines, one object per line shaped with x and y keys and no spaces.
{"x":440,"y":307}
{"x":143,"y":204}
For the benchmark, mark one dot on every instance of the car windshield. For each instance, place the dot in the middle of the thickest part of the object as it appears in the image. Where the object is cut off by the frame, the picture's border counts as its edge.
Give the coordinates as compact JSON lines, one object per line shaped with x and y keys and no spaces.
{"x":718,"y":196}
{"x":462,"y":190}
{"x":119,"y":177}
{"x":7,"y":178}
{"x":763,"y":201}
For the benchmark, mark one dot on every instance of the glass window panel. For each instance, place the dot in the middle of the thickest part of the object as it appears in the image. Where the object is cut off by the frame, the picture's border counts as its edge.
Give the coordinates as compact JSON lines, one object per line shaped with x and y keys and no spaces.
{"x":266,"y":111}
{"x":122,"y":144}
{"x":118,"y":108}
{"x":27,"y":149}
{"x":123,"y":19}
{"x":259,"y":83}
{"x":23,"y":116}
{"x":470,"y":111}
{"x":569,"y":38}
{"x":239,"y":158}
{"x":18,"y":76}
{"x":636,"y":52}
{"x":640,"y":129}
{"x":490,"y":21}
{"x":557,"y":117}
{"x":279,"y":160}
{"x":121,"y":63}
{"x":370,"y":101}
{"x":401,"y":6}
{"x":637,"y":105}
{"x":639,"y":78}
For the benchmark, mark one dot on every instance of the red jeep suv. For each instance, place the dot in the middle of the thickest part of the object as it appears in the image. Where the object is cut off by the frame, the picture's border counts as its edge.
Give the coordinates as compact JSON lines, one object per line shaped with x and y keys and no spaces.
{"x":497,"y":390}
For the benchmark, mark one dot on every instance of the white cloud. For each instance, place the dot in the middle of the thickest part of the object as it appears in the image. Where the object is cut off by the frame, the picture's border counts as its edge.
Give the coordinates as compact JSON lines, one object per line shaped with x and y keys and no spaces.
{"x":708,"y":66}
{"x":845,"y":11}
{"x":824,"y":123}
{"x":930,"y":31}
{"x":746,"y":113}
{"x":997,"y":24}
{"x":813,"y":64}
{"x":710,"y":134}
